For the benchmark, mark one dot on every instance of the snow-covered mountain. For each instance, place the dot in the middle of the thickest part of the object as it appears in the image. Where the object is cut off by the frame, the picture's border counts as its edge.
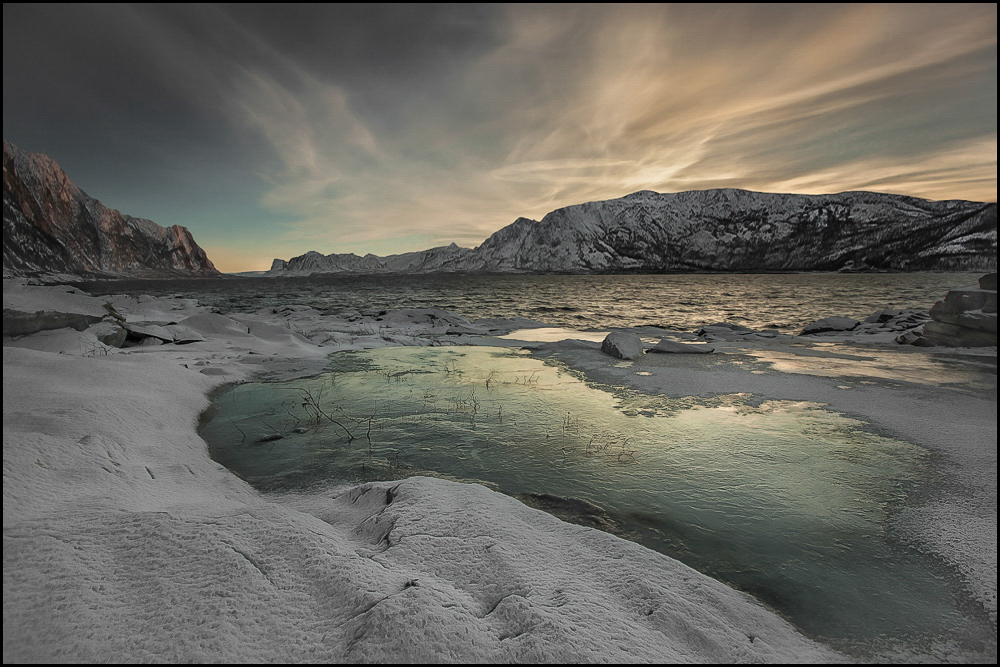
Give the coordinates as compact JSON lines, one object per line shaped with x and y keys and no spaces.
{"x":712,"y":230}
{"x":52,"y":226}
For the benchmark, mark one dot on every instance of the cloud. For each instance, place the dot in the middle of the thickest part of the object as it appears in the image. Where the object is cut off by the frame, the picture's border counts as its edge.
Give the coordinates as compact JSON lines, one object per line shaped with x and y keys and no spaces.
{"x":389,"y":129}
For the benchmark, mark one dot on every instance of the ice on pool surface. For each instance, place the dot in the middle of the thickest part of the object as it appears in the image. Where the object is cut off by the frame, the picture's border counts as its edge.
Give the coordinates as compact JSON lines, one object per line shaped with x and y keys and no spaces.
{"x":786,"y":500}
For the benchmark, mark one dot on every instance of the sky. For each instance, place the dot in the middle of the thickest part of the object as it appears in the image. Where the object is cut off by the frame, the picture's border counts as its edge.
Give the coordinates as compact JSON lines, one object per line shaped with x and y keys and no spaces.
{"x":272,"y":130}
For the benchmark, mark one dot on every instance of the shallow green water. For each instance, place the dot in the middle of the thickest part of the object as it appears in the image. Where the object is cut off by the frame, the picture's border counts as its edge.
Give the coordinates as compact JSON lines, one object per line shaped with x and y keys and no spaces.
{"x":785,"y":500}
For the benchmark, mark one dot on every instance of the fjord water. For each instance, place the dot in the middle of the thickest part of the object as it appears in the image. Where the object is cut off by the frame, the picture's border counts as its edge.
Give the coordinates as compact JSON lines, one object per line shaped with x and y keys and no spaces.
{"x":785,"y":500}
{"x":679,"y":302}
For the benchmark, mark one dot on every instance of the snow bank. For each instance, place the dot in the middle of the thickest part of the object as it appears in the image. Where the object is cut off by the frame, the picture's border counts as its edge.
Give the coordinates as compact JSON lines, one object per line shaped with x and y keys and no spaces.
{"x":124,"y":541}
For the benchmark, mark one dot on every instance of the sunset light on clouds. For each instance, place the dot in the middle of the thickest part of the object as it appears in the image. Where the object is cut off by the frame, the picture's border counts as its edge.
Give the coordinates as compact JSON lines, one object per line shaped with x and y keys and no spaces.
{"x":271,"y":131}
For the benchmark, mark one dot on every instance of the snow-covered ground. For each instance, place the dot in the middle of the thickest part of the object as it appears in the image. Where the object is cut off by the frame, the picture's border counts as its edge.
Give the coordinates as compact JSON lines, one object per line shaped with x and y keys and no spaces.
{"x":124,"y":541}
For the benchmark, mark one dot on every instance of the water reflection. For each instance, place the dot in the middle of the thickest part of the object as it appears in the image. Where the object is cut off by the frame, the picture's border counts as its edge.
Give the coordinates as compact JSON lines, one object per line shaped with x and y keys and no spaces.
{"x":783,"y":499}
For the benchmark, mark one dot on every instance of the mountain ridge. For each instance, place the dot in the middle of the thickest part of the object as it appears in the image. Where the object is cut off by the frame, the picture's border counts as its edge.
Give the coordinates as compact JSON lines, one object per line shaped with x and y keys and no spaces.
{"x":53,"y":226}
{"x":721,"y":230}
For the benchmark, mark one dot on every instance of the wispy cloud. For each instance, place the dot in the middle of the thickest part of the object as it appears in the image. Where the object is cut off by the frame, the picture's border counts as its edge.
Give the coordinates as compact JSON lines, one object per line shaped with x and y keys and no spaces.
{"x":386,"y":130}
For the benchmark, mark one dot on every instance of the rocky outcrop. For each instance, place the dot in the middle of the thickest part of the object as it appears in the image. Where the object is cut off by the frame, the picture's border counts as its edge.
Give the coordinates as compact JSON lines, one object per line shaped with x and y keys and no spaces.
{"x":52,"y":226}
{"x":29,"y":309}
{"x":712,"y":230}
{"x":966,"y":317}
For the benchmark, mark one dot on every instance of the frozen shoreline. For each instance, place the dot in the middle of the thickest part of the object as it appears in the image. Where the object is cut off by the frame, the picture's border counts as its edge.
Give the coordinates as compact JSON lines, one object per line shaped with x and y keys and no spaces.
{"x":123,"y":540}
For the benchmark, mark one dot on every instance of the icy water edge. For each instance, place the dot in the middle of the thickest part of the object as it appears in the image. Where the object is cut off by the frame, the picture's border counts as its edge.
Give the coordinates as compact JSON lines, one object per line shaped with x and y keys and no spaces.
{"x":786,"y":500}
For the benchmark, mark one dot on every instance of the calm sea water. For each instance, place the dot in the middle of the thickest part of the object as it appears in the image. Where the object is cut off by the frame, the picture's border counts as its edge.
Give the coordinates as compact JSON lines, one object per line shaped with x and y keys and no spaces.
{"x":679,"y":302}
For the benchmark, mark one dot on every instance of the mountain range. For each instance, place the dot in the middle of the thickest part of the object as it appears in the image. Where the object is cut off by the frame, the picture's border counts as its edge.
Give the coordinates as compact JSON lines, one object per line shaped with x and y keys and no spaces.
{"x":724,"y":230}
{"x":50,"y":225}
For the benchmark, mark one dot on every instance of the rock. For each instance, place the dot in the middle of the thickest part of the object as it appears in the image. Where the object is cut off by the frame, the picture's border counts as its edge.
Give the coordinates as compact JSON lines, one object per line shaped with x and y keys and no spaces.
{"x":28,"y":309}
{"x":966,"y":317}
{"x":723,"y":328}
{"x":953,"y":335}
{"x":139,"y":332}
{"x":622,"y":345}
{"x":882,"y":316}
{"x":109,"y":332}
{"x":835,"y":323}
{"x":212,"y":324}
{"x":271,"y":438}
{"x":668,"y":346}
{"x":23,"y":323}
{"x":183,"y":335}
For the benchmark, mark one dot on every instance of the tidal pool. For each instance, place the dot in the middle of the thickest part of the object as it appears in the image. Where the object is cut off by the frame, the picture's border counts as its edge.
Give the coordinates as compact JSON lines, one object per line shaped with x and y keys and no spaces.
{"x":785,"y":500}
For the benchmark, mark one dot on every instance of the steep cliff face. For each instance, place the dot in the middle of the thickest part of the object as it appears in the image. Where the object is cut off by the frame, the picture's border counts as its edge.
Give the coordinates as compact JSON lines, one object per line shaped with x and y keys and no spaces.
{"x":716,"y":230}
{"x":51,"y":225}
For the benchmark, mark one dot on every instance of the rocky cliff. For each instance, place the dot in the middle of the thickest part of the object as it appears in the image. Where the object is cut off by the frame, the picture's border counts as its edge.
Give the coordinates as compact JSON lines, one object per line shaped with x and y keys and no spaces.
{"x":713,"y":231}
{"x":52,"y":226}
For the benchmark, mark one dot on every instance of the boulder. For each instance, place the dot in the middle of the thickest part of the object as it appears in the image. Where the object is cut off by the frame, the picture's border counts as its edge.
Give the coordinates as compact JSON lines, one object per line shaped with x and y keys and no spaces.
{"x":667,"y":346}
{"x":966,"y":317}
{"x":622,"y":345}
{"x":109,"y":332}
{"x":968,"y":307}
{"x":953,"y":335}
{"x":835,"y":323}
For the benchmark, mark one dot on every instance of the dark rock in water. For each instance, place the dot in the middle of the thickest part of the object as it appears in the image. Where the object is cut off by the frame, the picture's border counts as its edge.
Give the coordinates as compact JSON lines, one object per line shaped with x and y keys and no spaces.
{"x":988,"y":282}
{"x":622,"y":345}
{"x":668,"y":346}
{"x":271,"y":438}
{"x":966,"y":317}
{"x":835,"y":323}
{"x":724,"y":328}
